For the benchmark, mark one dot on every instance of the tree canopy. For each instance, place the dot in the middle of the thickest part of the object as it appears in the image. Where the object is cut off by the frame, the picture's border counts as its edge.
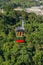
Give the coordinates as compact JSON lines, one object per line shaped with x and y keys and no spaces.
{"x":28,"y":53}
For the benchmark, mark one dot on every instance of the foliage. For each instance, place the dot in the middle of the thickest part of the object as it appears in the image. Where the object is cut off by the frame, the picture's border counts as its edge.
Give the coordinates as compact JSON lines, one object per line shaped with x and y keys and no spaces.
{"x":21,"y":3}
{"x":28,"y":53}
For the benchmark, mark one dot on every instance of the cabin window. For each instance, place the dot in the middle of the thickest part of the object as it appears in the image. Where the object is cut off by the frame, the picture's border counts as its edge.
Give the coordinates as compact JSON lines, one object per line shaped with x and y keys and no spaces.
{"x":18,"y":33}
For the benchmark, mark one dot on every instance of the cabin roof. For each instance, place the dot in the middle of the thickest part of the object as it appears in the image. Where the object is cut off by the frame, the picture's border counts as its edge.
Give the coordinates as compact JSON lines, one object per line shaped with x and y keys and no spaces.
{"x":19,"y":28}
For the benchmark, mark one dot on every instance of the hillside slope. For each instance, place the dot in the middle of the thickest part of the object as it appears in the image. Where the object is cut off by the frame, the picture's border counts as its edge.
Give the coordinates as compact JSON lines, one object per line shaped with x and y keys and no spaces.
{"x":31,"y":51}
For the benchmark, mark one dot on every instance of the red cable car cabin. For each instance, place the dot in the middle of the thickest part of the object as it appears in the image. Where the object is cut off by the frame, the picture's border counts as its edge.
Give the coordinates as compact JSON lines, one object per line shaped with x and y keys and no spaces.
{"x":20,"y":35}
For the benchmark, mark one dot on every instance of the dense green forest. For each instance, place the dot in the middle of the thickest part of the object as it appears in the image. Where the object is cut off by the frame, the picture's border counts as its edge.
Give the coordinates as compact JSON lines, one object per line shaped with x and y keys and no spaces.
{"x":28,"y":53}
{"x":21,"y":3}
